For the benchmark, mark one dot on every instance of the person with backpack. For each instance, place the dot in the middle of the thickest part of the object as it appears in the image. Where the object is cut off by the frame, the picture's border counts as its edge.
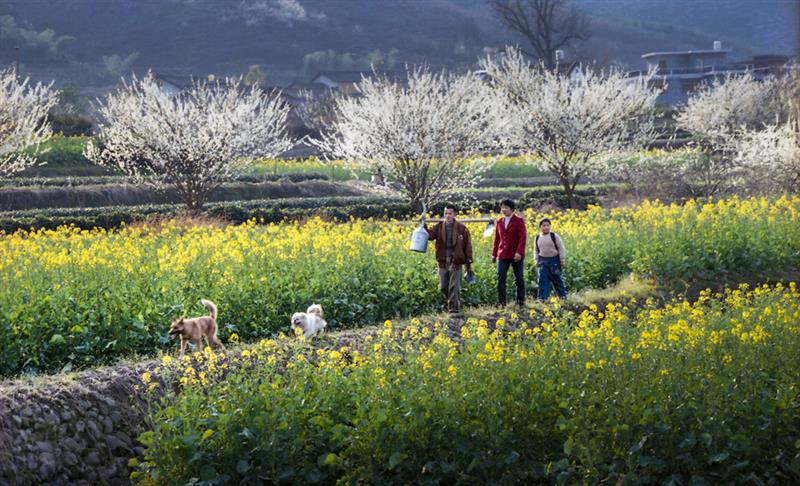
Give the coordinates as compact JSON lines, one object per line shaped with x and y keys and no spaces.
{"x":508,"y":250}
{"x":550,"y":258}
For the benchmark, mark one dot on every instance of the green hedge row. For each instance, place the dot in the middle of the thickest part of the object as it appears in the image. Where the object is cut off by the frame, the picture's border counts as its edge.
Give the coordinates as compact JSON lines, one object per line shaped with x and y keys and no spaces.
{"x":118,"y":179}
{"x":132,"y":195}
{"x":551,"y":196}
{"x":269,"y":210}
{"x":518,"y":181}
{"x":266,"y":210}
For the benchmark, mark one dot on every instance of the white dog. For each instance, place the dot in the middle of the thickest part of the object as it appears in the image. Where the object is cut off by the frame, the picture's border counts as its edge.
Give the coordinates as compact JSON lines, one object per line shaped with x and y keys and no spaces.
{"x":310,"y":321}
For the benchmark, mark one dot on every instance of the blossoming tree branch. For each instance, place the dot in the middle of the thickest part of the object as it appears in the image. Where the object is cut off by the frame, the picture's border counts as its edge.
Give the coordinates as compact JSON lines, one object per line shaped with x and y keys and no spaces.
{"x":23,"y":121}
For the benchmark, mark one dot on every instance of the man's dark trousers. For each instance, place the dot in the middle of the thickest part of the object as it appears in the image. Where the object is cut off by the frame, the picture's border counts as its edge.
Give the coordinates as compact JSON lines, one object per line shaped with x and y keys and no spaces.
{"x":519,"y":282}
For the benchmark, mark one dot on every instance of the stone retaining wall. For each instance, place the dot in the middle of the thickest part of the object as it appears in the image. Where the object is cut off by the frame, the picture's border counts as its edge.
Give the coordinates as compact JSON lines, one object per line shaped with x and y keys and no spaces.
{"x":78,"y":429}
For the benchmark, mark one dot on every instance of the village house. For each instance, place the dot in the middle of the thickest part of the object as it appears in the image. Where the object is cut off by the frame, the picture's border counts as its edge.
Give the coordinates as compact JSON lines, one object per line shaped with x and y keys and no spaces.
{"x":173,"y":84}
{"x":682,"y":72}
{"x":346,"y":82}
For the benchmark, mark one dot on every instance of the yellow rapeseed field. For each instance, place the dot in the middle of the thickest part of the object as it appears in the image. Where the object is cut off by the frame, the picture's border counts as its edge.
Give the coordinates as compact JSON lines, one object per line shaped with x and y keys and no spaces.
{"x":76,"y":297}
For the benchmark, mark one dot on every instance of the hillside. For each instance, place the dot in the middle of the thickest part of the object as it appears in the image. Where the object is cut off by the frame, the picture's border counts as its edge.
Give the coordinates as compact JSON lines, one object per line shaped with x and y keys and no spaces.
{"x":95,"y":41}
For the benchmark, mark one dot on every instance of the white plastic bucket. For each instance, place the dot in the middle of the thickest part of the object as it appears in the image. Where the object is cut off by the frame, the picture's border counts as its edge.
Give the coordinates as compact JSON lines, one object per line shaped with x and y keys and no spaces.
{"x":419,"y":239}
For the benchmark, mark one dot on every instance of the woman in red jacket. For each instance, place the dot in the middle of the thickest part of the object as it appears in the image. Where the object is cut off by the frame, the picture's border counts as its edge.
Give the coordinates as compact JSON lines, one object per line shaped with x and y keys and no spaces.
{"x":508,"y":250}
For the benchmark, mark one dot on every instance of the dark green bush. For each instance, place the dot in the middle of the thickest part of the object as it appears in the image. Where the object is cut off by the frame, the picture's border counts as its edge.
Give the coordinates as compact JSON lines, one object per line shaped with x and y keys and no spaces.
{"x":550,"y":196}
{"x":67,"y":181}
{"x":71,"y":124}
{"x":267,"y":211}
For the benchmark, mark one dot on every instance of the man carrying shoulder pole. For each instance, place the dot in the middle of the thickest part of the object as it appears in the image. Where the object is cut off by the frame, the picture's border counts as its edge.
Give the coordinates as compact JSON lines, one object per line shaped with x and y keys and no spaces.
{"x":508,"y":250}
{"x":453,"y":249}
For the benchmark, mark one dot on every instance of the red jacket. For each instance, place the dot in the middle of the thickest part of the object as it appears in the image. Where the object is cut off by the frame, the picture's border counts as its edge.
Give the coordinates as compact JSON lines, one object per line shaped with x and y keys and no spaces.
{"x":511,"y":240}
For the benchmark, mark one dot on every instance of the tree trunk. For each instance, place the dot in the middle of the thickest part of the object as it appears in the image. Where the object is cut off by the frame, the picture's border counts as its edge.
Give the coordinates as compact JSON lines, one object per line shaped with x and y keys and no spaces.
{"x":194,"y":207}
{"x":194,"y":198}
{"x":416,"y":204}
{"x":569,"y":190}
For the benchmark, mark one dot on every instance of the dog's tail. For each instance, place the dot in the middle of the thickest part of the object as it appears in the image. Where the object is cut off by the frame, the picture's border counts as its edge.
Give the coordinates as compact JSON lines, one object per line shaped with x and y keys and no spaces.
{"x":315,"y":309}
{"x":212,"y":307}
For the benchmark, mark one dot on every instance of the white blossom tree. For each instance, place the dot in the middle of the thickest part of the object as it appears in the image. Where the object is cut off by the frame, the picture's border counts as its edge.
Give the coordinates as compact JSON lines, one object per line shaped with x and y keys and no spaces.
{"x":23,"y":121}
{"x":718,"y":114}
{"x":192,"y":141}
{"x":424,"y":135}
{"x":571,"y":127}
{"x":770,"y":157}
{"x":656,"y":173}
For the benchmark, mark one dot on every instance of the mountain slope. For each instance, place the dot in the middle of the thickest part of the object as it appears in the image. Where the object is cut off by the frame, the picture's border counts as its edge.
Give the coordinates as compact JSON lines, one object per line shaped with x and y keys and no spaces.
{"x":291,"y":38}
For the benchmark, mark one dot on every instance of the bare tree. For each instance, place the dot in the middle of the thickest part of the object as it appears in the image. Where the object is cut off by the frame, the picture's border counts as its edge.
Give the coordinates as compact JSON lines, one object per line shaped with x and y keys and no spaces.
{"x":423,"y":135}
{"x":548,"y":25}
{"x":23,"y":121}
{"x":194,"y":140}
{"x":572,"y":127}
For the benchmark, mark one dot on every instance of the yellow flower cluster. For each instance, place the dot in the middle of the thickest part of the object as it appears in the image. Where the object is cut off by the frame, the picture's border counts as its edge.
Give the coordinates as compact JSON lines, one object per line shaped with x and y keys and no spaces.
{"x":597,"y":338}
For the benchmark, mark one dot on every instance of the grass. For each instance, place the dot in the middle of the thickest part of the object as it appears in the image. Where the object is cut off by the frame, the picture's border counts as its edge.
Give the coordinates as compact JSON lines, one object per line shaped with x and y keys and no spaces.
{"x":504,"y":168}
{"x":63,"y":156}
{"x":627,"y":288}
{"x":336,"y":169}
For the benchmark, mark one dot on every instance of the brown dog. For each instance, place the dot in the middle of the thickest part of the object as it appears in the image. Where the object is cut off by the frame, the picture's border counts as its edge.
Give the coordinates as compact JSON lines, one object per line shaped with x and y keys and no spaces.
{"x":194,"y":329}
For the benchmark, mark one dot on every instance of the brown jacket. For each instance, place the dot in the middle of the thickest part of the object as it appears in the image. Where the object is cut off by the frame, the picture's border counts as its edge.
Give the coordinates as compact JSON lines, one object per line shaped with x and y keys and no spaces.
{"x":462,"y":253}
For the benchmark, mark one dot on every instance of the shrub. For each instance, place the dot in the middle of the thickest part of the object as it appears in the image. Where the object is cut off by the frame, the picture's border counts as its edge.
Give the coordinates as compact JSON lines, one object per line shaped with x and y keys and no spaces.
{"x":339,"y":208}
{"x":71,"y":124}
{"x":555,"y":197}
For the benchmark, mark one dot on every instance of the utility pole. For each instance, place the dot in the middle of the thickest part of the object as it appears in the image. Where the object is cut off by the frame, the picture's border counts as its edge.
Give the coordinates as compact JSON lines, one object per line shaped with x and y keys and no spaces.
{"x":16,"y":54}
